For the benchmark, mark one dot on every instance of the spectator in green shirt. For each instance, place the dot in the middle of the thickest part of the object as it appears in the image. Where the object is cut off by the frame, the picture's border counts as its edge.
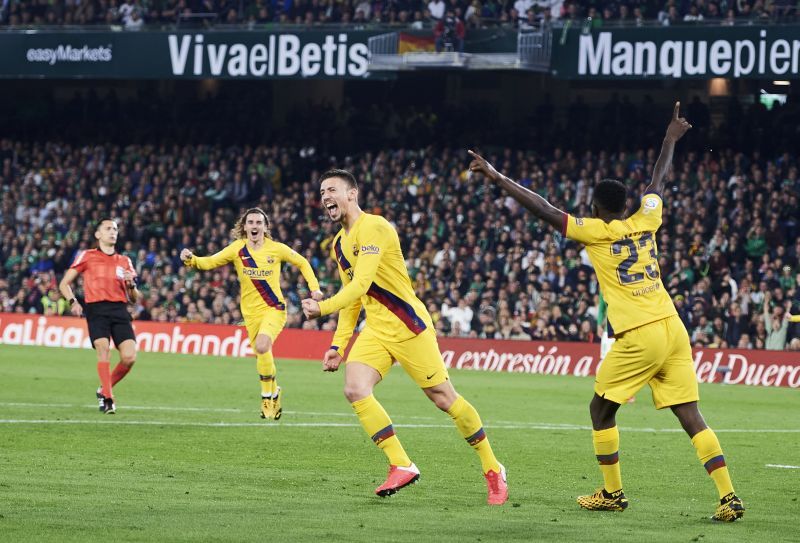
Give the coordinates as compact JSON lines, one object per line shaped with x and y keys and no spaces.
{"x":756,"y":244}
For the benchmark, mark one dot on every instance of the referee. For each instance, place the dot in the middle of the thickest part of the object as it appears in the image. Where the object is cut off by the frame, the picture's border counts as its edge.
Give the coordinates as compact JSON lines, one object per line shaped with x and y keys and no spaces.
{"x":109,"y":284}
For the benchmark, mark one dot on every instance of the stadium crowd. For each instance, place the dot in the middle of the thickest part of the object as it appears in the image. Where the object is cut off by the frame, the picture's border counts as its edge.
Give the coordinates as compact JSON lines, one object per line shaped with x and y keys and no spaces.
{"x":135,"y":14}
{"x":729,"y":249}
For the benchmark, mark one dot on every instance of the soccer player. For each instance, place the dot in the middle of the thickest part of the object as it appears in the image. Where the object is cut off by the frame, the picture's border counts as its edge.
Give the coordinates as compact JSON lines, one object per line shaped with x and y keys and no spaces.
{"x":606,"y":341}
{"x":652,"y":345}
{"x":258,"y":260}
{"x":109,"y":284}
{"x":398,"y":327}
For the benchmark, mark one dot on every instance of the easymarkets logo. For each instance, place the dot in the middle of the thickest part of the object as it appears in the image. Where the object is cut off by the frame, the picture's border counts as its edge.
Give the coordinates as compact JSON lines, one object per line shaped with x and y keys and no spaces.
{"x":677,"y":58}
{"x":68,"y":53}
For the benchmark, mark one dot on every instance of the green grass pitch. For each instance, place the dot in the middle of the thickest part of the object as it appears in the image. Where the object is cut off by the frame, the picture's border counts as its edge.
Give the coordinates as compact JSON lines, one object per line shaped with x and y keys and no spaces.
{"x":187,"y":458}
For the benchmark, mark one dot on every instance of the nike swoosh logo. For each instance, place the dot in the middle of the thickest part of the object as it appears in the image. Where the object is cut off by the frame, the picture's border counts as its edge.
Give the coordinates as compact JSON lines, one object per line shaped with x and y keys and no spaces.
{"x":428,"y":377}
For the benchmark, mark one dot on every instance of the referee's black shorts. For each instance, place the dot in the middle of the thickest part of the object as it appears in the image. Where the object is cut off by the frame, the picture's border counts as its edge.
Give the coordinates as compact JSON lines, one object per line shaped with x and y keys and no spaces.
{"x":109,"y":320}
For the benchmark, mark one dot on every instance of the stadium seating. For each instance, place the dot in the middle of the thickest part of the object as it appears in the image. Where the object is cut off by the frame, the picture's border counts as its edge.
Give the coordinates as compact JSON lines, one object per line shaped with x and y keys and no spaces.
{"x":416,"y":13}
{"x":477,"y":260}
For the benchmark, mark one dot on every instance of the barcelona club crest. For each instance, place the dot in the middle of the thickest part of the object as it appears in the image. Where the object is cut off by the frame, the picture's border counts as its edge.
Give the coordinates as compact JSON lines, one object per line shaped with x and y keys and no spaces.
{"x":355,"y":250}
{"x":270,"y":260}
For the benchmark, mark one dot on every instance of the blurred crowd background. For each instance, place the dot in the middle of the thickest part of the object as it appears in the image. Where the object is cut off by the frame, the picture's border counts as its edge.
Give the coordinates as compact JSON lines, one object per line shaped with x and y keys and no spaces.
{"x":418,"y":14}
{"x":729,"y":248}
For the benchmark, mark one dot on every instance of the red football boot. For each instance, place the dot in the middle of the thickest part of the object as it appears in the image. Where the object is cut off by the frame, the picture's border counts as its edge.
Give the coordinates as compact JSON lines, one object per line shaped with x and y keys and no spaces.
{"x":398,"y":478}
{"x":498,"y":488}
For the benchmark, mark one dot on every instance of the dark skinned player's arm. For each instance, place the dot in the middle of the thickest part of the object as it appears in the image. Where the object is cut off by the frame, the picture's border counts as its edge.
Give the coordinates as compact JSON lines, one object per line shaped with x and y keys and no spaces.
{"x":675,"y":130}
{"x":532,"y":202}
{"x":529,"y":199}
{"x":662,"y":167}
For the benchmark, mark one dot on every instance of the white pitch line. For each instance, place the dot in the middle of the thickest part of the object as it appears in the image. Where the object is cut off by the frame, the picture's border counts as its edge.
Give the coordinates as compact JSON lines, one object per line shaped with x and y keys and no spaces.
{"x":23,"y":404}
{"x":190,"y":409}
{"x":525,"y":426}
{"x":242,"y":424}
{"x":173,"y":423}
{"x":515,"y":425}
{"x":781,"y":466}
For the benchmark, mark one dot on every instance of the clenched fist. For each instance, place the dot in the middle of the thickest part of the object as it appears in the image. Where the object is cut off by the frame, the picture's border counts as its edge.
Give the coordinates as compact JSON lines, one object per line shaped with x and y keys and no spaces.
{"x":310,"y":308}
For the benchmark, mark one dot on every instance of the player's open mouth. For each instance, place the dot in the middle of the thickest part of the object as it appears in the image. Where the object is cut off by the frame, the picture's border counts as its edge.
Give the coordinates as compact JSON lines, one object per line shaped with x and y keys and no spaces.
{"x":331,"y":207}
{"x":254,"y":232}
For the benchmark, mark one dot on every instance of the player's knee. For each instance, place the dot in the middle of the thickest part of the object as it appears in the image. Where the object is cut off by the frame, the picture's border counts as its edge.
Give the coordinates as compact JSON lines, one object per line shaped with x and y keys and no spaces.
{"x":356,"y":391}
{"x":690,"y":418}
{"x":442,"y":398}
{"x":597,"y":420}
{"x":128,"y":359}
{"x":263,"y":344}
{"x":602,"y":415}
{"x":594,"y":410}
{"x":443,"y":402}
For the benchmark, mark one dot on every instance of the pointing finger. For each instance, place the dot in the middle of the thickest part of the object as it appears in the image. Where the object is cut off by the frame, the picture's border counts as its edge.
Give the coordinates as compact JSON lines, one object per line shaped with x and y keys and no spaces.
{"x":677,"y":110}
{"x":474,"y":154}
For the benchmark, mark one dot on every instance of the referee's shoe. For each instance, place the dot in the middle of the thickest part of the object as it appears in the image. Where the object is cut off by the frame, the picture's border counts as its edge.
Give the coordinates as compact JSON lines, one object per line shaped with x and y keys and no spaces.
{"x":108,"y":406}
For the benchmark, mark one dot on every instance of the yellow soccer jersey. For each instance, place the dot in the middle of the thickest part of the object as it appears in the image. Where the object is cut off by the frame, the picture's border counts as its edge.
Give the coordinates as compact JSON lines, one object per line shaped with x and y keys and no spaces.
{"x":623,"y":254}
{"x":374,"y":275}
{"x":259,"y":272}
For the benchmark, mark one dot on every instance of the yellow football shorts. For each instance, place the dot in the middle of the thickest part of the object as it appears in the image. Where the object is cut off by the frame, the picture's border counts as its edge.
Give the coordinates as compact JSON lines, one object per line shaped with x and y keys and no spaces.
{"x":419,"y":356}
{"x":658,"y":354}
{"x":270,"y":322}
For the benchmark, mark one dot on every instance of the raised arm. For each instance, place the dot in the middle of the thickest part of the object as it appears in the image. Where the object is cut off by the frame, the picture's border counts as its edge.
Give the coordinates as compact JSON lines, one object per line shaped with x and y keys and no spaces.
{"x":529,"y":199}
{"x":765,"y":309}
{"x":677,"y":127}
{"x":216,"y":260}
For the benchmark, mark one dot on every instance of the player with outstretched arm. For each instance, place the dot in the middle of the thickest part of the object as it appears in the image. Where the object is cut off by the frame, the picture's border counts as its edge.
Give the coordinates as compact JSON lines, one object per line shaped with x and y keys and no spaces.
{"x":652,"y":345}
{"x":258,"y":260}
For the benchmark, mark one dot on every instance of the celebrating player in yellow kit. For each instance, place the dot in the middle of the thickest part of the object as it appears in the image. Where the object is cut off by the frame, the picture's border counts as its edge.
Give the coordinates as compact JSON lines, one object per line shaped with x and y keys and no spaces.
{"x":258,"y":259}
{"x":652,"y":345}
{"x":398,"y":328}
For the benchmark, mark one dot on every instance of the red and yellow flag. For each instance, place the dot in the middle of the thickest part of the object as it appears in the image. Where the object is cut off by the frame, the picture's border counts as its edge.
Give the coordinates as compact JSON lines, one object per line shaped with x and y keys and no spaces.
{"x":409,"y":43}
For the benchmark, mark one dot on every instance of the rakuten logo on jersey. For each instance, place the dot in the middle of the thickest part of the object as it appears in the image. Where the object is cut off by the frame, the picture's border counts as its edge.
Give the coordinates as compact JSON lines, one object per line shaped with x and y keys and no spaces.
{"x":283,"y":55}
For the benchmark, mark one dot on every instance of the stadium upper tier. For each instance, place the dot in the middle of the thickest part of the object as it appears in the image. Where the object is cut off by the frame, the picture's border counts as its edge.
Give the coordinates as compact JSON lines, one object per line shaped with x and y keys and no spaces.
{"x":398,"y":13}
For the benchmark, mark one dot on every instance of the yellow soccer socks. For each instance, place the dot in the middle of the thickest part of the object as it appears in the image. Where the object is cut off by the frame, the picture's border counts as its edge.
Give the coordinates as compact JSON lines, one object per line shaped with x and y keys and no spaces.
{"x":710,"y":454}
{"x":265,"y":364}
{"x":378,"y":425}
{"x":606,"y":448}
{"x":469,"y":424}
